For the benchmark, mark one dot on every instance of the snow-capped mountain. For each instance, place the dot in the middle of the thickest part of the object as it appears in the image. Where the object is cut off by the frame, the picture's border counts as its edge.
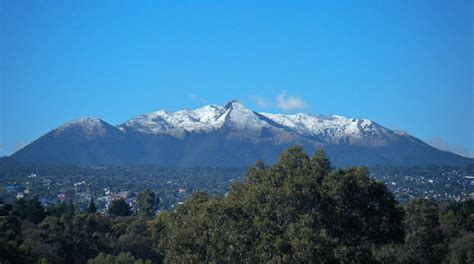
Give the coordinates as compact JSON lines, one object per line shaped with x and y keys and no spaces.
{"x":332,"y":129}
{"x":336,"y":129}
{"x":203,"y":120}
{"x":230,"y":135}
{"x":88,"y":127}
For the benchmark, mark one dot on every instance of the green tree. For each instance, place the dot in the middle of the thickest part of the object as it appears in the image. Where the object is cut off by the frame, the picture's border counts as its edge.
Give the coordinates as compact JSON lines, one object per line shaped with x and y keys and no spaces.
{"x":298,"y":210}
{"x":70,"y":209}
{"x":92,"y":209}
{"x":30,"y":210}
{"x":69,"y":240}
{"x":462,"y":250}
{"x":119,"y":207}
{"x":4,"y":208}
{"x":424,"y":242}
{"x":147,"y":203}
{"x":138,"y":245}
{"x":122,"y":258}
{"x":56,"y":209}
{"x":10,"y":240}
{"x":458,"y":217}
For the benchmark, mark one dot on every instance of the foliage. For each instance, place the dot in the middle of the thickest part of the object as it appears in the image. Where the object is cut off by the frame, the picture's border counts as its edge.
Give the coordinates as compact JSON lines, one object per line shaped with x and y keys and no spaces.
{"x":424,"y":242}
{"x":92,"y":208}
{"x":462,"y":250}
{"x":299,"y":210}
{"x":67,"y":235}
{"x":122,"y":258}
{"x":147,"y":203}
{"x":295,"y":211}
{"x":30,"y":210}
{"x":458,"y":217}
{"x":119,"y":207}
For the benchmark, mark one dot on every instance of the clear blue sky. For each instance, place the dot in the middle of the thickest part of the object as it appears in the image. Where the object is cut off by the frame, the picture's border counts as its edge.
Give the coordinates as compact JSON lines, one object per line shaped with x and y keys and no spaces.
{"x":407,"y":65}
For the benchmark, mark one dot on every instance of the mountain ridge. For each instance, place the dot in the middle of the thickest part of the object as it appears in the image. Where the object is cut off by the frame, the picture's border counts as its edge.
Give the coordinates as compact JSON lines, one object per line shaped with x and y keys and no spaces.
{"x":229,"y":135}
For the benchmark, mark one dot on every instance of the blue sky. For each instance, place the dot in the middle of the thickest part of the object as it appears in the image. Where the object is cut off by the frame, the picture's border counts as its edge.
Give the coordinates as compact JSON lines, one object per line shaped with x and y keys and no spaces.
{"x":407,"y":65}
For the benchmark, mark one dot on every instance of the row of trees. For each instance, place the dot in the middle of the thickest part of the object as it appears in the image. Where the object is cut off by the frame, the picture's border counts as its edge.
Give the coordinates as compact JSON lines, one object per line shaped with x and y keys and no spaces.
{"x":62,"y":233}
{"x":298,"y":211}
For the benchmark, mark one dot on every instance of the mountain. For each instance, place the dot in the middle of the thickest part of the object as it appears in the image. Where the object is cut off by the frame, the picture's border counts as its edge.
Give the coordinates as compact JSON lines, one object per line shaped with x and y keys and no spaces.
{"x":230,"y":135}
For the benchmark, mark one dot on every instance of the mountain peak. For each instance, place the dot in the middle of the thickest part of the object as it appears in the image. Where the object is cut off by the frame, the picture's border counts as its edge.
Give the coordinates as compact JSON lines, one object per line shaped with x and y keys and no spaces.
{"x":232,"y":103}
{"x":88,"y":120}
{"x":89,"y":126}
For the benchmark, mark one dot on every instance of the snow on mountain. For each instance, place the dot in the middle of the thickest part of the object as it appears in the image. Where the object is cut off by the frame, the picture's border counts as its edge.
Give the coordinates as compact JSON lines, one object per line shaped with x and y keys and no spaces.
{"x":204,"y":119}
{"x":334,"y":129}
{"x":83,"y":121}
{"x":240,"y":117}
{"x":88,"y":126}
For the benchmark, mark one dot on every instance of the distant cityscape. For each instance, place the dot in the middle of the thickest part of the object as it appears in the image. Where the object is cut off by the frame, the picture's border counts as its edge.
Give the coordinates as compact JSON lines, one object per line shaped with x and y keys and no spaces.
{"x":435,"y":183}
{"x":53,"y":184}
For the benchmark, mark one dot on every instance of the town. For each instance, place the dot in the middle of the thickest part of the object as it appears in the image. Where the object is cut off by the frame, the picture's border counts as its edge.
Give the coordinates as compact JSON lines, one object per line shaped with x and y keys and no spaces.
{"x":54,"y":183}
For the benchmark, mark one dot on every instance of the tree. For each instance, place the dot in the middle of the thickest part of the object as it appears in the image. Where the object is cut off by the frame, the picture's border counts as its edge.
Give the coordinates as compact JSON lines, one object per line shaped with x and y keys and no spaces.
{"x":298,"y":210}
{"x":424,"y":241}
{"x":359,"y":209}
{"x":122,"y":258}
{"x":119,"y":207}
{"x":70,"y":209}
{"x":458,"y":217}
{"x":92,"y":209}
{"x":30,"y":210}
{"x":4,"y":208}
{"x":56,"y":209}
{"x":462,"y":250}
{"x":10,"y":239}
{"x":139,"y":246}
{"x":43,"y":261}
{"x":67,"y":239}
{"x":147,"y":203}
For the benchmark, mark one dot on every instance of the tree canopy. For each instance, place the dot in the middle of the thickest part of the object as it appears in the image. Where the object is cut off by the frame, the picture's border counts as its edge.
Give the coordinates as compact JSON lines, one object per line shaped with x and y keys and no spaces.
{"x":119,"y":207}
{"x":298,"y":210}
{"x":147,"y":203}
{"x":92,"y":207}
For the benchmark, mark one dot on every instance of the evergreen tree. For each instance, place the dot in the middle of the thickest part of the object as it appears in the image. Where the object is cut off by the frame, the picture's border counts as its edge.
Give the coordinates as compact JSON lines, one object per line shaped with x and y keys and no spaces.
{"x":147,"y":203}
{"x":424,"y":242}
{"x":31,"y":210}
{"x":119,"y":207}
{"x":92,"y":209}
{"x":4,"y":208}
